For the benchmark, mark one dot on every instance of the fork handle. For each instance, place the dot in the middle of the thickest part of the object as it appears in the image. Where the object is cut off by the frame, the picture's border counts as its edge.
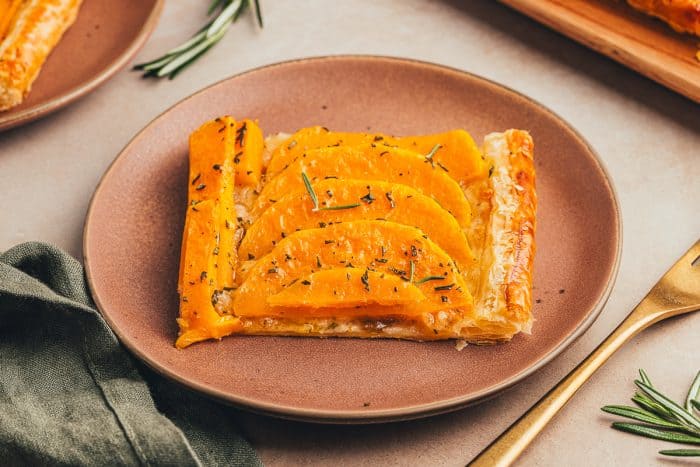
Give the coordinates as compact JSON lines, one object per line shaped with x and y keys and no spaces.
{"x":509,"y":445}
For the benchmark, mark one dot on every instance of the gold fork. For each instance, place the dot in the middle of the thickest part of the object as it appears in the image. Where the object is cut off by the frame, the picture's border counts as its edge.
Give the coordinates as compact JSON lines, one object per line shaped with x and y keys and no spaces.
{"x":676,"y":293}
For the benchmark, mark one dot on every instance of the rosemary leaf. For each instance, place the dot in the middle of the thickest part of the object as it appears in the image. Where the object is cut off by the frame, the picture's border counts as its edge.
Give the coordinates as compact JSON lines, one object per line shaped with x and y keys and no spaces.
{"x":681,"y":452}
{"x":645,"y":378}
{"x":310,"y":189}
{"x":239,"y":12}
{"x":338,"y":207}
{"x":194,"y":57}
{"x":430,"y":278}
{"x":183,"y":60}
{"x":155,"y":64}
{"x":412,"y":271}
{"x":693,"y":393}
{"x":258,"y":12}
{"x":201,"y":34}
{"x":224,"y":18}
{"x":639,"y":415}
{"x":656,"y":433}
{"x":215,"y":4}
{"x":649,"y":405}
{"x":681,"y":415}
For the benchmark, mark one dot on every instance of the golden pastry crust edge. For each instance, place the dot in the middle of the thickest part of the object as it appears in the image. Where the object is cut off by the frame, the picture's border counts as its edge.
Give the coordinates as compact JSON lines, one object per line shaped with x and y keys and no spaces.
{"x":681,"y":15}
{"x":39,"y":26}
{"x":503,"y":295}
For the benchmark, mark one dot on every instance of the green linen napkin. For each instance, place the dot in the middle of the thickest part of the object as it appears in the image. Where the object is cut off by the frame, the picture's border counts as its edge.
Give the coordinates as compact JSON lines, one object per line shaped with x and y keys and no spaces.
{"x":71,"y":395}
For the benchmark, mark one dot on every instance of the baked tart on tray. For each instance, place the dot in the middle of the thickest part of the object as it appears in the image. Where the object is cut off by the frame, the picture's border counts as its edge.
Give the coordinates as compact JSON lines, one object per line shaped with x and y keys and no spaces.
{"x":324,"y":233}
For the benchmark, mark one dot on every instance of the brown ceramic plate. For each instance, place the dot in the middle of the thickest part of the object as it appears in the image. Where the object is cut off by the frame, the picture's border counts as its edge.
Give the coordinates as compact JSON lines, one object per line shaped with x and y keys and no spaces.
{"x":134,"y":224}
{"x":104,"y":37}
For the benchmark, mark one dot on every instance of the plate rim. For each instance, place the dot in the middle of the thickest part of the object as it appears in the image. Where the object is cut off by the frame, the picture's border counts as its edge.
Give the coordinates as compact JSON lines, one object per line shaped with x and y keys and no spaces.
{"x":411,"y":412}
{"x":57,"y":102}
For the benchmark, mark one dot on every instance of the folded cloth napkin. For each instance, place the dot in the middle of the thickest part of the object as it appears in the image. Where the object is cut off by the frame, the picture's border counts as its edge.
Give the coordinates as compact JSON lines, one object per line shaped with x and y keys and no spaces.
{"x":71,"y":395}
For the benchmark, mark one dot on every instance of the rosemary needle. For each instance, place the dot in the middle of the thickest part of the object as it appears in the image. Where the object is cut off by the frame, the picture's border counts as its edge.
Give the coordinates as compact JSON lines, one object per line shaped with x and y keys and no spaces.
{"x":693,"y":394}
{"x":310,"y":189}
{"x":429,"y":278}
{"x":681,"y":452}
{"x":175,"y":60}
{"x":339,"y":207}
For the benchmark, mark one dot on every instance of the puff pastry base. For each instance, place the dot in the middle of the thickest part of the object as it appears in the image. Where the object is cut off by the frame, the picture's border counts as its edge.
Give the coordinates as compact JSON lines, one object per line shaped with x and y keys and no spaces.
{"x":36,"y":28}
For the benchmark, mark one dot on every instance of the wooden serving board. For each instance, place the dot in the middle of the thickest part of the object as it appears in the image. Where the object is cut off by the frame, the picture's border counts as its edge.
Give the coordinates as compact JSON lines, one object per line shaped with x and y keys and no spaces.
{"x":615,"y":29}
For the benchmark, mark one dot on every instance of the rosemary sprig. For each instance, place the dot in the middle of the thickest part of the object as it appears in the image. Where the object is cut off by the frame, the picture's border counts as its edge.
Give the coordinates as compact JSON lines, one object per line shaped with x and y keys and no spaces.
{"x":177,"y":59}
{"x":661,"y":417}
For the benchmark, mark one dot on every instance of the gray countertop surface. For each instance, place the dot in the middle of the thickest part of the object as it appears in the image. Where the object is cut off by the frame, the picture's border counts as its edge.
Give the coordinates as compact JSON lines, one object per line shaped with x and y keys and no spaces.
{"x":648,"y":137}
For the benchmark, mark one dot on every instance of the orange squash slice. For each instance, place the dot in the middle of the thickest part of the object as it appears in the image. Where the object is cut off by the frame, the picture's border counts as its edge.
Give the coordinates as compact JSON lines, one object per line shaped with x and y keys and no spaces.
{"x":365,"y":200}
{"x":250,"y":143}
{"x":199,"y":319}
{"x":208,"y":256}
{"x":360,"y":287}
{"x":456,"y":153}
{"x":369,"y":163}
{"x":383,"y":246}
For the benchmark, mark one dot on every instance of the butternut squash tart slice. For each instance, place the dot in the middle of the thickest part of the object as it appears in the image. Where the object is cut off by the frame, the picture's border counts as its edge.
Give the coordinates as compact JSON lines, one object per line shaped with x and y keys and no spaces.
{"x":320,"y":250}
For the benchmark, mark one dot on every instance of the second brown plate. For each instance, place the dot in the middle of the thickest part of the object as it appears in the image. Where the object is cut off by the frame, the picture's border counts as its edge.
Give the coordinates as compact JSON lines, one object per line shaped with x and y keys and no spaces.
{"x":134,"y":224}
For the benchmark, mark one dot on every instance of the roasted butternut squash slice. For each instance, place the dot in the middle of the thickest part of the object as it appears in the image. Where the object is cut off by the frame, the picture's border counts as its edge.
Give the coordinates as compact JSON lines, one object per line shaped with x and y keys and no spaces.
{"x":369,"y":163}
{"x":212,"y":175}
{"x":208,"y":256}
{"x":347,"y":288}
{"x":199,"y":319}
{"x":381,"y":246}
{"x":250,"y":144}
{"x":365,"y":200}
{"x":456,"y":151}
